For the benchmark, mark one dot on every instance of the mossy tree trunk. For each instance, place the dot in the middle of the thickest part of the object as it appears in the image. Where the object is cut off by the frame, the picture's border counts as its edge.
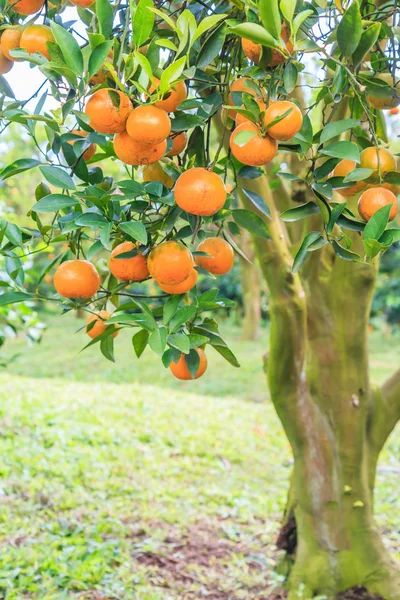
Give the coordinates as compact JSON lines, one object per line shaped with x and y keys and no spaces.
{"x":336,"y":422}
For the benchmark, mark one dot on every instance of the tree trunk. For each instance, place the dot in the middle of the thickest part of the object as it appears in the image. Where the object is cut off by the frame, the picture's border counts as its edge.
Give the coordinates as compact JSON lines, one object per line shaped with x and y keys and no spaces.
{"x":251,"y":290}
{"x":335,"y":421}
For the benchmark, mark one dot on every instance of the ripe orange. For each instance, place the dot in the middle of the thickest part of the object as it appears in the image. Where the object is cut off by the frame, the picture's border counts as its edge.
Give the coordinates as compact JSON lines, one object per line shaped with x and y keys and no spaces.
{"x":128,"y":269}
{"x":34,"y":39}
{"x":200,"y":192}
{"x":104,"y":116}
{"x":91,"y":150}
{"x":242,"y":119}
{"x":181,"y":288}
{"x":257,"y":151}
{"x":174,"y":97}
{"x":10,"y":39}
{"x":289,"y":125}
{"x":251,"y":50}
{"x":374,"y":199}
{"x":5,"y":64}
{"x":76,"y":279}
{"x":341,"y":170}
{"x":101,"y":75}
{"x":369,"y":160}
{"x":239,"y":85}
{"x":99,"y":327}
{"x":181,"y":371}
{"x":28,"y":7}
{"x":178,"y":144}
{"x":221,"y":256}
{"x":277,"y":58}
{"x":155,"y":172}
{"x":148,"y":125}
{"x":132,"y":153}
{"x":82,"y":3}
{"x":394,"y":111}
{"x":170,"y":263}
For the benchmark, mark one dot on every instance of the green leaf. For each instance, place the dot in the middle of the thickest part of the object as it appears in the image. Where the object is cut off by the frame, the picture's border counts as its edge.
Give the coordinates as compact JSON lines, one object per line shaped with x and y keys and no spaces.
{"x":139,"y":341}
{"x":105,"y":17}
{"x":192,"y":362}
{"x":227,"y":354}
{"x":344,"y":253}
{"x":5,"y":88}
{"x":54,"y":202}
{"x":182,"y":315}
{"x":13,"y":234}
{"x":358,"y":175}
{"x":158,"y":340}
{"x":377,"y":223}
{"x":349,"y":31}
{"x":392,"y":177}
{"x":58,"y":177}
{"x":184,"y":121}
{"x":69,"y":47}
{"x":287,"y":8}
{"x":306,"y":246}
{"x":99,"y":56}
{"x":180,"y":341}
{"x":142,"y":320}
{"x":135,"y":230}
{"x":300,"y":212}
{"x":290,"y":77}
{"x":142,"y":23}
{"x":206,"y":24}
{"x":14,"y":297}
{"x":342,"y":150}
{"x":170,"y":307}
{"x":91,"y":219}
{"x":255,"y":33}
{"x":368,"y":40}
{"x":212,"y":46}
{"x":107,"y":346}
{"x":270,"y":17}
{"x":197,"y":340}
{"x":352,"y":224}
{"x":335,"y":214}
{"x":171,"y":74}
{"x":332,"y":130}
{"x":322,"y":202}
{"x":258,"y":202}
{"x":299,"y":20}
{"x":243,"y":137}
{"x":18,"y":166}
{"x":252,"y":222}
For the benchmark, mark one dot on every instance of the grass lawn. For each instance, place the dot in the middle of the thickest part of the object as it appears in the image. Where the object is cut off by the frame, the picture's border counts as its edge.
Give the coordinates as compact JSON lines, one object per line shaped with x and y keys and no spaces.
{"x":120,"y":483}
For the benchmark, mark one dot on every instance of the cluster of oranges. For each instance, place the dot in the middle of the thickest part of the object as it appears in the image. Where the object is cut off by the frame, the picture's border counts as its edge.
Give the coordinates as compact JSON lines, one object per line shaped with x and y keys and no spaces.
{"x":32,"y":39}
{"x":140,"y":134}
{"x":170,"y":264}
{"x":375,"y":194}
{"x":278,"y":122}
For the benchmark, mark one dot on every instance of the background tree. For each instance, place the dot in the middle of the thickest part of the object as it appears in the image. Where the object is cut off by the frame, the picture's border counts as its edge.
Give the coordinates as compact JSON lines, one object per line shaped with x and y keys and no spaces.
{"x":245,"y":63}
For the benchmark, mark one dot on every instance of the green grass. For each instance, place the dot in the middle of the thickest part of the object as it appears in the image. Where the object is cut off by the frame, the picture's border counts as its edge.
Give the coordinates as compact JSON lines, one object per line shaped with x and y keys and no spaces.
{"x":120,"y":483}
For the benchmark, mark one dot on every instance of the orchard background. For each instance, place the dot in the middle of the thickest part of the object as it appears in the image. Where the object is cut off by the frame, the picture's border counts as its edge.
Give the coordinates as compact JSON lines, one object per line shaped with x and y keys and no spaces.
{"x":206,"y":193}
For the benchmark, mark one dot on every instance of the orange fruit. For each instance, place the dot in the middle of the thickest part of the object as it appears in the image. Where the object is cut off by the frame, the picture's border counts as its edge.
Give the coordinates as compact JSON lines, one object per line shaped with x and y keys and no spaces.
{"x":5,"y":64}
{"x":104,"y":116}
{"x":200,"y":192}
{"x":277,"y":58}
{"x":10,"y":39}
{"x":242,"y":119}
{"x":289,"y":125}
{"x":341,"y":170}
{"x":99,"y":327}
{"x":251,"y":50}
{"x":101,"y":75}
{"x":91,"y":150}
{"x":239,"y":85}
{"x":369,"y":160}
{"x":174,"y":97}
{"x":155,"y":172}
{"x":394,"y":111}
{"x":128,"y":269}
{"x":132,"y":153}
{"x":221,"y":256}
{"x":170,"y":263}
{"x":28,"y":7}
{"x":375,"y":198}
{"x":178,"y":144}
{"x":257,"y":151}
{"x":34,"y":39}
{"x":82,"y":3}
{"x":76,"y":279}
{"x":181,"y":288}
{"x":148,"y":125}
{"x":181,"y":371}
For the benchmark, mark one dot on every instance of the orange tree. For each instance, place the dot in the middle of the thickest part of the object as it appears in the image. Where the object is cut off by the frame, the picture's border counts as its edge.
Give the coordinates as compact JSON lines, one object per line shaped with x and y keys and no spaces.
{"x":284,"y":102}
